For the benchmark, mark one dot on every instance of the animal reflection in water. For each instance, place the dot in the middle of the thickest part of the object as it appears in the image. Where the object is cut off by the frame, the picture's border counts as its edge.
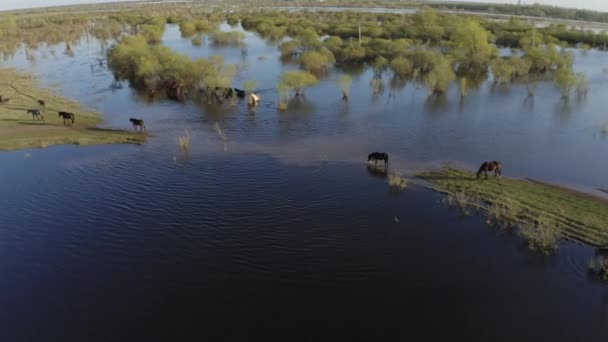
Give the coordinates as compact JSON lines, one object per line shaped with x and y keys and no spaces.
{"x":376,"y":156}
{"x":377,"y":171}
{"x":599,"y":264}
{"x":493,"y":166}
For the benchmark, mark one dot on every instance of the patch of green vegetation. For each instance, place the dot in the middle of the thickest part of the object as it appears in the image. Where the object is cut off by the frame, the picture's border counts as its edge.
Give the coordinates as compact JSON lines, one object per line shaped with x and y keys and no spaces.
{"x":19,"y":131}
{"x":397,"y":182}
{"x":157,"y":68}
{"x":543,"y":212}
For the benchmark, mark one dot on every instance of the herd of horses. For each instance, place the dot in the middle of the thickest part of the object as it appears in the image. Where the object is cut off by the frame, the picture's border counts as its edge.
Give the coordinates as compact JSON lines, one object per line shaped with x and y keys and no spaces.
{"x":69,"y":118}
{"x":488,"y":166}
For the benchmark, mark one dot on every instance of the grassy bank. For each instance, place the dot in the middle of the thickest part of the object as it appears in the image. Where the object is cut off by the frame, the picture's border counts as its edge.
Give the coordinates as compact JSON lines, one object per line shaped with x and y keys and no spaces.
{"x":19,"y":131}
{"x":541,"y":211}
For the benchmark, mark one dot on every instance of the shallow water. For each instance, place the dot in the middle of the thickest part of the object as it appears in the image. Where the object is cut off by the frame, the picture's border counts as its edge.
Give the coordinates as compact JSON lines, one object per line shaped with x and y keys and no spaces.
{"x":280,"y":231}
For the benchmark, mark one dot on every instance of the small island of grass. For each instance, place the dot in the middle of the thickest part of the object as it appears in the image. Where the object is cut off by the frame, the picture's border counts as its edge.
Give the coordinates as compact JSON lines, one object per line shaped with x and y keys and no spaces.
{"x":543,"y":212}
{"x":19,"y":131}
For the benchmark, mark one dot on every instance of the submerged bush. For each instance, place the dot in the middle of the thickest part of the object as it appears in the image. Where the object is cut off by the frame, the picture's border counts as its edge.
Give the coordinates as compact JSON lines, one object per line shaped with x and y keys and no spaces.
{"x":439,"y":78}
{"x":345,"y":81}
{"x":156,"y":68}
{"x":227,"y":38}
{"x":317,"y":61}
{"x":402,"y":67}
{"x":197,"y":41}
{"x":297,"y":81}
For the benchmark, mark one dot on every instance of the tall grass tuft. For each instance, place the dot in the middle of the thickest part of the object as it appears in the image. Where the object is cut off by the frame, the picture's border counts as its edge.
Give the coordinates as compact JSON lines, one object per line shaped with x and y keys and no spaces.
{"x":184,"y":141}
{"x":542,"y":235}
{"x":397,"y":182}
{"x":345,"y":81}
{"x":461,"y":202}
{"x":464,"y":91}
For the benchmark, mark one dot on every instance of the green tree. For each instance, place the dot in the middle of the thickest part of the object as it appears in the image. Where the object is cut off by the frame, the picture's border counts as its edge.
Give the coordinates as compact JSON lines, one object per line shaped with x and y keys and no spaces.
{"x":379,"y":65}
{"x":317,"y":61}
{"x":427,"y":25}
{"x":474,"y":44}
{"x":438,"y":80}
{"x":187,"y":28}
{"x":565,"y":80}
{"x":502,"y":70}
{"x":297,"y":80}
{"x":402,"y":67}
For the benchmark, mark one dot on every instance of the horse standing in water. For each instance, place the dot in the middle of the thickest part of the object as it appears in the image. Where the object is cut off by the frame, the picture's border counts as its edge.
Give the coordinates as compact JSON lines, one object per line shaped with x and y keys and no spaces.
{"x":67,"y":117}
{"x":375,"y":156}
{"x":36,"y":114}
{"x":138,"y":123}
{"x":493,"y":166}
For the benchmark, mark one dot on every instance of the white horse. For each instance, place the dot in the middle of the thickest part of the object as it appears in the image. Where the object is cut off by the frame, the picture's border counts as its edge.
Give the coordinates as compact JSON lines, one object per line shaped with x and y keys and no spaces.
{"x":254,"y":99}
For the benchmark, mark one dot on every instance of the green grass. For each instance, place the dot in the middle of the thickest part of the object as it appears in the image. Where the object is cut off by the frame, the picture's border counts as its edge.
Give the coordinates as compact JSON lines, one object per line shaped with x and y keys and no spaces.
{"x":542,"y":211}
{"x":19,"y":131}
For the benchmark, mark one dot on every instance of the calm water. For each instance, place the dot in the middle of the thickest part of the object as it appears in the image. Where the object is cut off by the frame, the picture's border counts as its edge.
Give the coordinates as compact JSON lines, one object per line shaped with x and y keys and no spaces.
{"x":280,"y":231}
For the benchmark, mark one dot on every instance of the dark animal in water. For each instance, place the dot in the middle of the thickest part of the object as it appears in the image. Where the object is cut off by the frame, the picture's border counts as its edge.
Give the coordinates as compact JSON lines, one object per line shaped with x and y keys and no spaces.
{"x":375,"y":156}
{"x":67,"y":117}
{"x":36,"y":114}
{"x":42,"y":103}
{"x":493,"y":166}
{"x":138,"y":123}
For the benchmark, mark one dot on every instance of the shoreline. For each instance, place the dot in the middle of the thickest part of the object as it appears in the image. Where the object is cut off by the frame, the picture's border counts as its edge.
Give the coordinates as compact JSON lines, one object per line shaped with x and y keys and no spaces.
{"x":547,"y":209}
{"x":19,"y":131}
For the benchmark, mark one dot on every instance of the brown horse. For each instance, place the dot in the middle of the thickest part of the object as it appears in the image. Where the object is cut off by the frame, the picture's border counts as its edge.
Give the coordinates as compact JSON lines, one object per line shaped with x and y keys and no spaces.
{"x":42,"y":103}
{"x":493,"y":166}
{"x":67,"y":117}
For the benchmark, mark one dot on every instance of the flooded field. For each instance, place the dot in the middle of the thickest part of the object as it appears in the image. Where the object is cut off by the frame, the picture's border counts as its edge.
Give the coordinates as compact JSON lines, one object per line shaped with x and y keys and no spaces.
{"x":271,"y":224}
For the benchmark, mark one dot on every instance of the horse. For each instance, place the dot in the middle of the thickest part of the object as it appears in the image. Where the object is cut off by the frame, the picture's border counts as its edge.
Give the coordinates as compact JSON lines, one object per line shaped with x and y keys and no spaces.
{"x":493,"y":166}
{"x":42,"y":103}
{"x":254,"y":99}
{"x":375,"y":156}
{"x":36,"y":114}
{"x":4,"y":99}
{"x":240,"y":93}
{"x":138,"y":122}
{"x":67,"y":116}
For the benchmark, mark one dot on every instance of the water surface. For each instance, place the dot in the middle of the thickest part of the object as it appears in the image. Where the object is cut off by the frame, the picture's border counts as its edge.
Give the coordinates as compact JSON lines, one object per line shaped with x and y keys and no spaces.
{"x":280,"y":231}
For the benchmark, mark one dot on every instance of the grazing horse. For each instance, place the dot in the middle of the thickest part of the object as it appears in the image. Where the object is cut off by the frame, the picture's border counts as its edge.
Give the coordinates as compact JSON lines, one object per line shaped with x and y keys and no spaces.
{"x":36,"y":114}
{"x":67,"y":117}
{"x":493,"y":166}
{"x":375,"y":156}
{"x":138,"y":123}
{"x":42,"y":103}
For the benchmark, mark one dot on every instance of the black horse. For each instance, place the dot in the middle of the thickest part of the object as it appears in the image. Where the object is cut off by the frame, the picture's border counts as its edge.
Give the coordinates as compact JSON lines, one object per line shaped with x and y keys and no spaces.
{"x":375,"y":156}
{"x":36,"y":114}
{"x":138,"y":123}
{"x":42,"y":103}
{"x":493,"y":166}
{"x":67,"y":117}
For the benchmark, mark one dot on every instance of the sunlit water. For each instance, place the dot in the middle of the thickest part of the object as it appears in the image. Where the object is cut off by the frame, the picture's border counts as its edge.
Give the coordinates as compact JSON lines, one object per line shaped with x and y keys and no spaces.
{"x":279,"y":230}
